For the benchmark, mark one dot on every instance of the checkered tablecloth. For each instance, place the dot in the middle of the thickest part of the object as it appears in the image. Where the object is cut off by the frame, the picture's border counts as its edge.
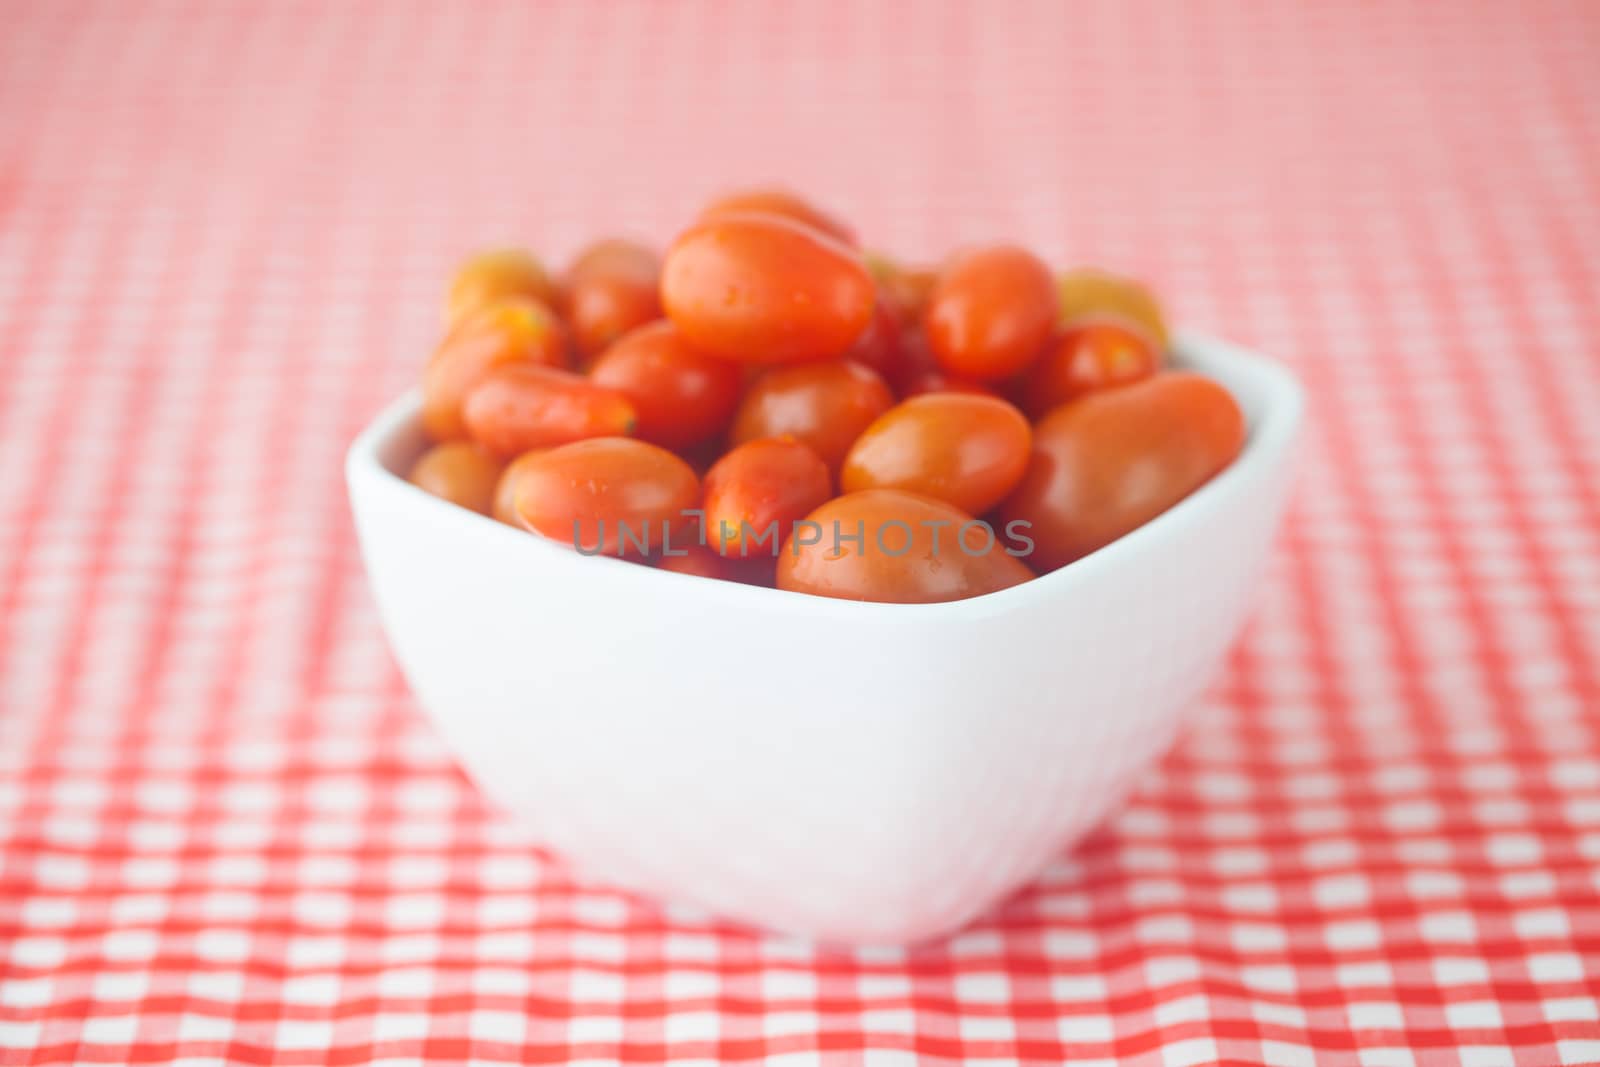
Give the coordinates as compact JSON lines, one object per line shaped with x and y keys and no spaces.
{"x":226,"y":835}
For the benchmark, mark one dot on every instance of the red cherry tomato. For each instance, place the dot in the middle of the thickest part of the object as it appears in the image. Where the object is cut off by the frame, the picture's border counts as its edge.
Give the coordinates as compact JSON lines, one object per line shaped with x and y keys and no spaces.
{"x":698,"y":561}
{"x":904,"y":289}
{"x":704,"y":563}
{"x":879,"y":347}
{"x":459,"y":472}
{"x":610,"y":495}
{"x":522,"y":406}
{"x":1089,"y":355}
{"x":991,"y":313}
{"x":1111,"y":461}
{"x":968,"y":451}
{"x":505,"y":490}
{"x":937,"y":381}
{"x":895,"y":547}
{"x":761,"y":486}
{"x":824,"y":405}
{"x":783,"y":204}
{"x":682,"y":395}
{"x":764,"y":289}
{"x":492,"y":276}
{"x":919,"y":373}
{"x":611,"y":288}
{"x":511,"y":331}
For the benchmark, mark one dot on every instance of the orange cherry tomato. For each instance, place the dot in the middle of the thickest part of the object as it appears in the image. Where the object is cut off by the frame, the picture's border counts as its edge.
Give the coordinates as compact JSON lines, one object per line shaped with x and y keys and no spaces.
{"x":966,"y":450}
{"x":1111,"y":461}
{"x":1090,"y":354}
{"x":896,"y":547}
{"x":505,"y":490}
{"x":991,"y":313}
{"x":1088,"y":293}
{"x":765,"y":289}
{"x":682,"y":395}
{"x":825,"y":405}
{"x":784,"y":204}
{"x":756,"y":493}
{"x":491,"y":276}
{"x":521,"y":406}
{"x":459,"y":472}
{"x":514,"y":330}
{"x":611,"y":288}
{"x":610,"y":495}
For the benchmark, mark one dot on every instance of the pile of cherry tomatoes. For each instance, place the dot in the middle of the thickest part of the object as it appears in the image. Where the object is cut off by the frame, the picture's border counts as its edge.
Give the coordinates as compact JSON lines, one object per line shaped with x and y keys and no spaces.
{"x":767,"y":404}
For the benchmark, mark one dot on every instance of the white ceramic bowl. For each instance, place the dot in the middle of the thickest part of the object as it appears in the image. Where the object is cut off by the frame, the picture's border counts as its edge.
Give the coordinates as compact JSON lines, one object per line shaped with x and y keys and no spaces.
{"x":855,"y":772}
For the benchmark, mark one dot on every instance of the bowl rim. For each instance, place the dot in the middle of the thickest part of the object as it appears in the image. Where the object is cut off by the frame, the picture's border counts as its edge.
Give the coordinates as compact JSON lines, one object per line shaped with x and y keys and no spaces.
{"x":1272,"y":431}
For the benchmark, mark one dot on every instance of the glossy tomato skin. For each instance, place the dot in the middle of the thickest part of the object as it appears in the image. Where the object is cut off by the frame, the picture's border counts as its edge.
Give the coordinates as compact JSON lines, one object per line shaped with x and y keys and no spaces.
{"x":991,"y":313}
{"x":505,"y":490}
{"x":459,"y":472}
{"x":494,"y":275}
{"x":515,"y":330}
{"x":824,"y":405}
{"x":612,"y":287}
{"x":764,"y":289}
{"x":768,"y":483}
{"x":682,"y":395}
{"x":967,"y":450}
{"x":1088,"y":355}
{"x":1111,"y":461}
{"x":1090,"y":293}
{"x":522,"y":406}
{"x":784,"y":204}
{"x":910,"y":551}
{"x":580,"y":494}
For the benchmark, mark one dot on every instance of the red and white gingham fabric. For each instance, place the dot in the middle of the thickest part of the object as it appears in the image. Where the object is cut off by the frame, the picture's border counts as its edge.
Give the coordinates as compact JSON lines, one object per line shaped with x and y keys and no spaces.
{"x":227,"y":836}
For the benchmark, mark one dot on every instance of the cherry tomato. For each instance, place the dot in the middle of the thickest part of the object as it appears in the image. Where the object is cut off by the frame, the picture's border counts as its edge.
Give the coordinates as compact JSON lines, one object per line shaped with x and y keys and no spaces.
{"x":968,"y":451}
{"x":825,"y":405}
{"x":512,"y":331}
{"x":459,"y":472}
{"x":612,"y":287}
{"x":990,"y":313}
{"x":762,"y":485}
{"x":1111,"y":461}
{"x":522,"y":406}
{"x":1090,"y":354}
{"x":919,"y":373}
{"x":505,"y":490}
{"x":582,"y":494}
{"x":784,"y":204}
{"x":698,"y":561}
{"x":895,"y":547}
{"x":489,"y":277}
{"x":682,"y":395}
{"x":904,"y":289}
{"x":879,"y":347}
{"x":764,"y":289}
{"x":1089,"y":293}
{"x":703,"y":563}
